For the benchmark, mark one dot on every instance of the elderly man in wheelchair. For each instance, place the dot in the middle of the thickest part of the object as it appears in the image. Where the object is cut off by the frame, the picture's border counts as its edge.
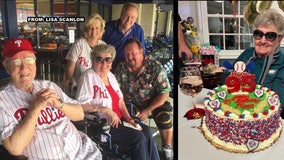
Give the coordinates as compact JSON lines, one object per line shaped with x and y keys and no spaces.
{"x":99,"y":88}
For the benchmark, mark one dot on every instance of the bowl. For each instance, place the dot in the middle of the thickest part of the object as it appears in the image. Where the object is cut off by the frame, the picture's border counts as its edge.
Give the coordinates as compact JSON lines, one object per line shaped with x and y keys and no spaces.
{"x":212,"y":80}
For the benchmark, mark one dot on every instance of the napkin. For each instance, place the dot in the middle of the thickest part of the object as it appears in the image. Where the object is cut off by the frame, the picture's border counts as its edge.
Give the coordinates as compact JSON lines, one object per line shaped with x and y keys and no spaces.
{"x":194,"y":113}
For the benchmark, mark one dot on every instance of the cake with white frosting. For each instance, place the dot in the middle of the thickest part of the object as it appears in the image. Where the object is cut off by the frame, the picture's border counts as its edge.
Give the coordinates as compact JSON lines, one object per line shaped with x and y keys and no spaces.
{"x":242,"y":120}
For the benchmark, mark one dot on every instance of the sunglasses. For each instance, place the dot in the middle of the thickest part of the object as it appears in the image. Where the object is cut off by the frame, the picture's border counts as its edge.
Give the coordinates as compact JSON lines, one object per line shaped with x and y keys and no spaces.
{"x":18,"y":62}
{"x":269,"y":36}
{"x":101,"y":59}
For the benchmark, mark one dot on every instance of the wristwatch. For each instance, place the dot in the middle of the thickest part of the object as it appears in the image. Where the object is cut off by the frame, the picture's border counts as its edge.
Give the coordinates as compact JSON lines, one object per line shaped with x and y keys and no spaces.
{"x":62,"y":104}
{"x":149,"y":112}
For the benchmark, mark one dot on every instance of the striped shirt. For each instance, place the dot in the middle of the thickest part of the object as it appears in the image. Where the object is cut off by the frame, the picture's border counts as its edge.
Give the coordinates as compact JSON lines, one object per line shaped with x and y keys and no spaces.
{"x":55,"y":136}
{"x":80,"y":53}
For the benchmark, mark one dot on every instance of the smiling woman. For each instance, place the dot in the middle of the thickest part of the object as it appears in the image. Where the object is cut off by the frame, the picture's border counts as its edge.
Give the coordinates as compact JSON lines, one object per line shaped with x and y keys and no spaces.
{"x":266,"y":53}
{"x":79,"y":54}
{"x":99,"y":87}
{"x":103,"y":56}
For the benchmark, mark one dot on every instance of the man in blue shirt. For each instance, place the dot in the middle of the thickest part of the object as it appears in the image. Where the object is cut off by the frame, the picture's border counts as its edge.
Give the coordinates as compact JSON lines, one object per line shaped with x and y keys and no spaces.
{"x":117,"y":32}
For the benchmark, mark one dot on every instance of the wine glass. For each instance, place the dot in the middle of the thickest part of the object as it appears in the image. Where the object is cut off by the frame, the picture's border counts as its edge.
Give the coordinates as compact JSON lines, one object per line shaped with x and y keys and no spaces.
{"x":191,"y":84}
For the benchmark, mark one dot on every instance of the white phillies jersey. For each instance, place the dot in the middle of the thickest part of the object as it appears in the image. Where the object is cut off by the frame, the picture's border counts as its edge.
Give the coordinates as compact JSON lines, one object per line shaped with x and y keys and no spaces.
{"x":55,"y":137}
{"x":80,"y":52}
{"x":91,"y":89}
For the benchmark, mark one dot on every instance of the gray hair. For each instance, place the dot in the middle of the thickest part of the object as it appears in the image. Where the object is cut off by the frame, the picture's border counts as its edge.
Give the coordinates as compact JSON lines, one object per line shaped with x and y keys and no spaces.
{"x":103,"y":48}
{"x":92,"y":17}
{"x":270,"y":17}
{"x":128,"y":5}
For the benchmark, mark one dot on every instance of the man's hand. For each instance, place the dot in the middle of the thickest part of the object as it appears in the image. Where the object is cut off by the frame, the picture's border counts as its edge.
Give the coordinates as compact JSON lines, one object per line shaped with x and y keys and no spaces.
{"x":46,"y":97}
{"x":143,"y":115}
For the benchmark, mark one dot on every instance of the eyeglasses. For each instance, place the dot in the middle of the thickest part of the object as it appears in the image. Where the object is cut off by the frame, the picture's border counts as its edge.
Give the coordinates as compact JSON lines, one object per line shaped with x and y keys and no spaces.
{"x":18,"y":62}
{"x":101,"y":59}
{"x":269,"y":36}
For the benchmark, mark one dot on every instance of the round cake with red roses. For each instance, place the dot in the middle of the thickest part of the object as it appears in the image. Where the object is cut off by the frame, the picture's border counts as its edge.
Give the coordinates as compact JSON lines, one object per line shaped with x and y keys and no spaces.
{"x":241,"y":116}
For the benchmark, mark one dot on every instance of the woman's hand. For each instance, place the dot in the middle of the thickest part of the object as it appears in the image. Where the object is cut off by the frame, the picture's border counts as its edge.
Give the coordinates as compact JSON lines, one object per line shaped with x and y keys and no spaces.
{"x":114,"y":119}
{"x":132,"y":122}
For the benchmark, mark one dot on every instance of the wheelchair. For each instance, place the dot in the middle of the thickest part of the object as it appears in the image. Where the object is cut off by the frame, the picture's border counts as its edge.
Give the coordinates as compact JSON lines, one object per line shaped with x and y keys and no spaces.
{"x":98,"y":130}
{"x":7,"y":156}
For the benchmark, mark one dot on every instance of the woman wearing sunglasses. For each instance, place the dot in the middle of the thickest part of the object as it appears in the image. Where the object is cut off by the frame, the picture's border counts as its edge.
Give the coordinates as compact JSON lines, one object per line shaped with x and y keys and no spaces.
{"x":266,"y":55}
{"x":98,"y":86}
{"x":79,"y":54}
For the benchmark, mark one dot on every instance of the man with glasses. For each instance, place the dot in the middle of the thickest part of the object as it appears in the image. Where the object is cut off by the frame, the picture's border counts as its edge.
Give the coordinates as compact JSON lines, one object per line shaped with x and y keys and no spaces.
{"x":266,"y":55}
{"x":35,"y":115}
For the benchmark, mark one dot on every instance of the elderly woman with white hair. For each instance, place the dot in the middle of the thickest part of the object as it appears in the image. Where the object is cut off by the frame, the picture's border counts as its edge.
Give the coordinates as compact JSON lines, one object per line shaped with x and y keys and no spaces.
{"x":98,"y":86}
{"x":266,"y":55}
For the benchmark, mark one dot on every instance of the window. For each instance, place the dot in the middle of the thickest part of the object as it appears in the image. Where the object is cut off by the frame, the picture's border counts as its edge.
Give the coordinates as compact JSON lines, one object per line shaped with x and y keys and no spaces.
{"x":224,"y":26}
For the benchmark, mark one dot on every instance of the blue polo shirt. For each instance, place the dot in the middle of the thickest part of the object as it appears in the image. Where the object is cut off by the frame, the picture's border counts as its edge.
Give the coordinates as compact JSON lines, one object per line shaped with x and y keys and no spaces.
{"x":114,"y":36}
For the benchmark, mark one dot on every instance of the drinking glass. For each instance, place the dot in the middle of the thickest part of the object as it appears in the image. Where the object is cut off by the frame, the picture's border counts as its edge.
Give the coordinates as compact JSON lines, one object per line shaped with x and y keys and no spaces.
{"x":190,"y":82}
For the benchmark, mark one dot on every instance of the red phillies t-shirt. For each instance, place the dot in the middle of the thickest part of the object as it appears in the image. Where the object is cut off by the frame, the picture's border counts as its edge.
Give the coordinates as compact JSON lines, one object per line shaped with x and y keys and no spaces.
{"x":115,"y":100}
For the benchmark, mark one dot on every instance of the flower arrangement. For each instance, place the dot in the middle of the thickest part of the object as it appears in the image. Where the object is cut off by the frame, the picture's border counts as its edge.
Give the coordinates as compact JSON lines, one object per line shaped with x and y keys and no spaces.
{"x":187,"y":25}
{"x":191,"y":37}
{"x":195,"y":50}
{"x":207,"y":49}
{"x":201,"y":52}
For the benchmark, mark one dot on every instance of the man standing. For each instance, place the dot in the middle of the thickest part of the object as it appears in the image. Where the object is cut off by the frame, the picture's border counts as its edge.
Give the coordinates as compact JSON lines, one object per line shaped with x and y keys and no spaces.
{"x":117,"y":32}
{"x":144,"y":82}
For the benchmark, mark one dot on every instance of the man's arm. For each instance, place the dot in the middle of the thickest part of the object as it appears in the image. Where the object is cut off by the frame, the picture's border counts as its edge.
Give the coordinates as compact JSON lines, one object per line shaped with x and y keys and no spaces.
{"x":73,"y":111}
{"x":182,"y":47}
{"x":23,"y":133}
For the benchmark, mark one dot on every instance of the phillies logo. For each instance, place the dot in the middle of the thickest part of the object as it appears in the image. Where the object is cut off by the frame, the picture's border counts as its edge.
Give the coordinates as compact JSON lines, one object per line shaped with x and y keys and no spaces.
{"x":18,"y":42}
{"x":47,"y":115}
{"x":83,"y":62}
{"x":98,"y":90}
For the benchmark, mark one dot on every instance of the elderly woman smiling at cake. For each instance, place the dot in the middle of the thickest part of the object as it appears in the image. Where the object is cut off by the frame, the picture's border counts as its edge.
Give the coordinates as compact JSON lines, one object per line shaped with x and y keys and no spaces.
{"x":266,"y":55}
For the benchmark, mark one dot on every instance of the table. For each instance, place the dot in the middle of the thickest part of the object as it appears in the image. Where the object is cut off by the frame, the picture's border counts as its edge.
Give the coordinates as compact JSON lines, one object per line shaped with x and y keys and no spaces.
{"x":193,"y":146}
